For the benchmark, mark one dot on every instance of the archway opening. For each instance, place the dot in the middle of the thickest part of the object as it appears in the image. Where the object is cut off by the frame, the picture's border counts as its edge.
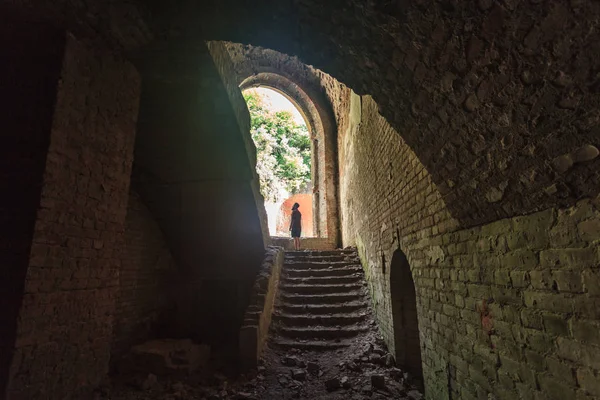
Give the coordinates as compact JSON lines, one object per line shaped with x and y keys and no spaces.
{"x":404,"y":313}
{"x":284,"y":159}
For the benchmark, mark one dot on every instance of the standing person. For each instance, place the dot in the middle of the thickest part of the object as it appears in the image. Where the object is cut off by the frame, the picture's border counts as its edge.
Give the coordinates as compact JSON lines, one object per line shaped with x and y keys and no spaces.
{"x":296,"y":225}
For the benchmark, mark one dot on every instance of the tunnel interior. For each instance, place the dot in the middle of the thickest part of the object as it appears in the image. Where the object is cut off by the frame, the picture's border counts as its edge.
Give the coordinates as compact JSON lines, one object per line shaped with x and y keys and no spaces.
{"x":465,"y":133}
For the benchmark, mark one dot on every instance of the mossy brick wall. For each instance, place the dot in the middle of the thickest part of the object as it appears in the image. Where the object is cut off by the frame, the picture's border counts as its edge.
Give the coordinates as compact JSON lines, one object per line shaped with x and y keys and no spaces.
{"x":538,"y":274}
{"x":146,"y":279}
{"x":65,"y":323}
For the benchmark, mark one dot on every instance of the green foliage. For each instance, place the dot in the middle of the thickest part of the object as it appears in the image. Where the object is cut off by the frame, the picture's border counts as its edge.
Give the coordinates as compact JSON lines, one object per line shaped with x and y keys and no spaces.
{"x":283,"y":149}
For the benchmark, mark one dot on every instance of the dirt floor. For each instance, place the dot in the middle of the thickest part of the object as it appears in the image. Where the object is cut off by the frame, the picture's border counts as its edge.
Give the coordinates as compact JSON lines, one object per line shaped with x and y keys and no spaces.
{"x":363,"y":370}
{"x":323,"y":344}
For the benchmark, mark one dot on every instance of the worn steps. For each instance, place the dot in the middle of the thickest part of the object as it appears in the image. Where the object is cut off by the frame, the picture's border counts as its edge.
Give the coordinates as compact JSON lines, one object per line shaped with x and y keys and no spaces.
{"x":326,"y":280}
{"x":319,"y":309}
{"x":317,"y":288}
{"x":319,"y":319}
{"x":321,"y":303}
{"x":292,"y":271}
{"x":314,"y":345}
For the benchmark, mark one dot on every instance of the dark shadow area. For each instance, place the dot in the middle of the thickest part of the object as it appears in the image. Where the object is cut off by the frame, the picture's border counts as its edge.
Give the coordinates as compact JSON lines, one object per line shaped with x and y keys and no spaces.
{"x":28,"y":91}
{"x":404,"y":314}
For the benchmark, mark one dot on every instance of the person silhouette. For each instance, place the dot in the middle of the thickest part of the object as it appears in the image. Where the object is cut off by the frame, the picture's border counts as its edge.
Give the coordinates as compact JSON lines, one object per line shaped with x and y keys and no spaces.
{"x":296,"y":225}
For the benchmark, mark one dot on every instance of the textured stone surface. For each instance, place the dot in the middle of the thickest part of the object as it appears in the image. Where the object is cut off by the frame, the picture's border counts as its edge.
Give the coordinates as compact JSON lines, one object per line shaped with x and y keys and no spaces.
{"x":421,"y":61}
{"x":166,"y":357}
{"x":66,"y":318}
{"x":516,"y":97}
{"x":146,"y":279}
{"x":257,"y":319}
{"x":502,"y":307}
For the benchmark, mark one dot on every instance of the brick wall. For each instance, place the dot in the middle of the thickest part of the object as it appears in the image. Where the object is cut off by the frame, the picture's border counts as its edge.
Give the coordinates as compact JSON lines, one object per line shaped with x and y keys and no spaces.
{"x":66,"y":319}
{"x":145,"y":280}
{"x":508,"y":309}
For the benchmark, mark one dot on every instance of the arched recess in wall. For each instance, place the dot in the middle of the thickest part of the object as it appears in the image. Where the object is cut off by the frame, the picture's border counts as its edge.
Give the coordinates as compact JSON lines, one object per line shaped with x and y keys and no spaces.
{"x":322,"y":128}
{"x":404,"y":315}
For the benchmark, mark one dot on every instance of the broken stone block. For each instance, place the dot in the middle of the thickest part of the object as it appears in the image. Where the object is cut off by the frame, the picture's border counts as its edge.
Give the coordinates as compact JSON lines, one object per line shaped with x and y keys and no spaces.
{"x":375,"y":359}
{"x":283,"y":381}
{"x":166,"y":356}
{"x":290,"y":361}
{"x":389,"y":360}
{"x":352,"y":366}
{"x":150,"y":382}
{"x":299,"y":374}
{"x":333,"y":384}
{"x":396,"y":374}
{"x":345,"y":382}
{"x":378,"y":381}
{"x":312,"y":367}
{"x":366,"y":390}
{"x":585,"y":153}
{"x":244,"y":396}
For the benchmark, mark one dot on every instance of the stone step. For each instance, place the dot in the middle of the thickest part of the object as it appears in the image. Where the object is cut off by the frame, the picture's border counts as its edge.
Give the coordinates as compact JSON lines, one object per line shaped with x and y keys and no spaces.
{"x":308,"y":253}
{"x":320,"y":309}
{"x":311,"y":280}
{"x":329,"y":272}
{"x":321,"y":259}
{"x":319,"y":288}
{"x":310,"y":345}
{"x":320,"y":332}
{"x":319,"y":265}
{"x":320,"y":320}
{"x":320,"y":298}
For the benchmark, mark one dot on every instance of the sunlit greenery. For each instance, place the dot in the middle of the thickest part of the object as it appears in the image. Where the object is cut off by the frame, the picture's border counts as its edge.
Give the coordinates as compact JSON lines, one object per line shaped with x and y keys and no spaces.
{"x":283,"y":149}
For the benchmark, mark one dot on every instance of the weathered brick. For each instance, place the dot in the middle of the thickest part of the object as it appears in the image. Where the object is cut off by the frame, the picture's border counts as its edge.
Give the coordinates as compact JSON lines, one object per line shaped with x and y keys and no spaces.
{"x":569,"y":258}
{"x":556,"y":324}
{"x":547,"y":301}
{"x":554,"y":389}
{"x":519,"y":279}
{"x":591,"y":281}
{"x":589,"y":230}
{"x":539,"y":341}
{"x":561,"y":371}
{"x":568,"y":281}
{"x":541,"y":279}
{"x":532,"y":319}
{"x":579,"y":353}
{"x":586,"y":331}
{"x":589,"y":381}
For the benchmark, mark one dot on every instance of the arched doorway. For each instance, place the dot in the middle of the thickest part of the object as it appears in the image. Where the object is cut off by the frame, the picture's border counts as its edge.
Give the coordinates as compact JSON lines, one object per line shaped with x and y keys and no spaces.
{"x":321,"y":126}
{"x":404,"y":314}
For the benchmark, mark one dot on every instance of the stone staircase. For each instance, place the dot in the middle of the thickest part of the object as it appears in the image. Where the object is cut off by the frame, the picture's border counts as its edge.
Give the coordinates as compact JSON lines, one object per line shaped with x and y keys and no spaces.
{"x":321,"y":303}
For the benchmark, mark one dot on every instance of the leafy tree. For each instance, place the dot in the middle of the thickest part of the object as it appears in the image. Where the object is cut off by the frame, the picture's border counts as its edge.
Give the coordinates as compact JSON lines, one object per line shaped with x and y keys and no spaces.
{"x":283,"y":149}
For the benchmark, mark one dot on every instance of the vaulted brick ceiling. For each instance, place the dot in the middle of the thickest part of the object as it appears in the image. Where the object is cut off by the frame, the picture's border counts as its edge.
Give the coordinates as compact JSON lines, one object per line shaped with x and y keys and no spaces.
{"x":487,"y":93}
{"x":498,"y":99}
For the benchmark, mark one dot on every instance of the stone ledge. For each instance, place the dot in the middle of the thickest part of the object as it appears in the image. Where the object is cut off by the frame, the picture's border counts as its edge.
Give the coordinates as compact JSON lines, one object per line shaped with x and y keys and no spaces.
{"x":257,"y":319}
{"x":312,"y":243}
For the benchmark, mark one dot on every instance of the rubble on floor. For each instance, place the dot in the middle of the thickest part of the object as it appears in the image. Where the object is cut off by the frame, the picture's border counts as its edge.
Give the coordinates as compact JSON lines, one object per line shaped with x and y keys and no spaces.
{"x":324,"y":344}
{"x":166,"y":356}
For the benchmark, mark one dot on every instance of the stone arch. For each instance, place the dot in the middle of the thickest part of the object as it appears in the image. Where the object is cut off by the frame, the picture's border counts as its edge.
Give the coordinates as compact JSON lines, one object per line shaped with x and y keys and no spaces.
{"x":404,"y":315}
{"x":501,"y":131}
{"x":318,"y":115}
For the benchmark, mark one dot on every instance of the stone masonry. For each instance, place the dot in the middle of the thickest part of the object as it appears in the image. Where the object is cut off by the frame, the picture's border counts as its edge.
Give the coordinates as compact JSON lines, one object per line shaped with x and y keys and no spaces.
{"x":66,"y":317}
{"x":467,"y":140}
{"x":508,"y":309}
